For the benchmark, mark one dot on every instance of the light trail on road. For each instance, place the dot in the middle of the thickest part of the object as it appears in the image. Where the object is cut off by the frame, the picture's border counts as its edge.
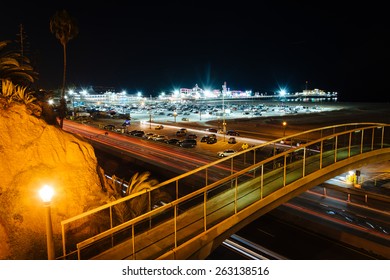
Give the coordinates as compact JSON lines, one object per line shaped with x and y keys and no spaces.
{"x":151,"y":152}
{"x":307,"y":204}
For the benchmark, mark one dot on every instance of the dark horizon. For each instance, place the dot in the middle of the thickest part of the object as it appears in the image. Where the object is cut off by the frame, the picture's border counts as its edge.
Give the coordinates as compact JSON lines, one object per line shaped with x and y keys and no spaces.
{"x":153,"y":46}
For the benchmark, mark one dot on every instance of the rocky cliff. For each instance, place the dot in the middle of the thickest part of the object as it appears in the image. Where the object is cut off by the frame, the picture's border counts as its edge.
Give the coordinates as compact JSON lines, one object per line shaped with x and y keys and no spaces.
{"x":32,"y":154}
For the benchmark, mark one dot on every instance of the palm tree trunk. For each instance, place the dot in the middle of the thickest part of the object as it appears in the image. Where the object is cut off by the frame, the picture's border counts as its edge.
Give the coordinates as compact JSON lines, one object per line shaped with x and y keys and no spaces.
{"x":62,"y":101}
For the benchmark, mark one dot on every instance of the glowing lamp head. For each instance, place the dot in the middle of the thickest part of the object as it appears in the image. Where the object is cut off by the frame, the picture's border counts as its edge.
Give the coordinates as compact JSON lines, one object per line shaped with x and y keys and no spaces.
{"x":46,"y":193}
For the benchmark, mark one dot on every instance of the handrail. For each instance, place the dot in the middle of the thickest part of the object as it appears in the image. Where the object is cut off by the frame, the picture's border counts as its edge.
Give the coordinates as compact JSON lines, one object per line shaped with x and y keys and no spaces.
{"x":205,"y":167}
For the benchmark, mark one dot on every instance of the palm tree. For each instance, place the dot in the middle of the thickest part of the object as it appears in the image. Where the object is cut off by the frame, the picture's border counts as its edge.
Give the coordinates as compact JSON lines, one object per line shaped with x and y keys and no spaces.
{"x":139,"y":204}
{"x":12,"y":69}
{"x":65,"y":28}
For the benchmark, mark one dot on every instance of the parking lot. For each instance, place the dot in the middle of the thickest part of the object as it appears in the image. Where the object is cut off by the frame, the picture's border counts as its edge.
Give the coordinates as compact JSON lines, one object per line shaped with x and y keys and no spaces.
{"x":164,"y":122}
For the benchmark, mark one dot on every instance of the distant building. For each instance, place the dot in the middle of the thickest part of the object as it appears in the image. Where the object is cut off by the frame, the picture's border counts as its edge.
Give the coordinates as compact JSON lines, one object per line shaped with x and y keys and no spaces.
{"x":108,"y":96}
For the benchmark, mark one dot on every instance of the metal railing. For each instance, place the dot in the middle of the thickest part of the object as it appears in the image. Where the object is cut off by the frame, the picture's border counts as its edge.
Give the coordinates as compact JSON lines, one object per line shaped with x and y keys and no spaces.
{"x":209,"y":194}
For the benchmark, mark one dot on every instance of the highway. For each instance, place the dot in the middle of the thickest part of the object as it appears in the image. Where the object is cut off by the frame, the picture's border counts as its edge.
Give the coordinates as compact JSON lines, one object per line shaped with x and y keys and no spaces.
{"x":173,"y":158}
{"x":313,"y":226}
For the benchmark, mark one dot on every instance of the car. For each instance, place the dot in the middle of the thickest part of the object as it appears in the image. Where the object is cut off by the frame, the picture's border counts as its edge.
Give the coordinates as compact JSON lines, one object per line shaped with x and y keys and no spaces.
{"x":211,"y":129}
{"x":180,"y":133}
{"x":211,"y":140}
{"x":187,"y":143}
{"x":148,"y":135}
{"x":185,"y":119}
{"x":158,"y":127}
{"x":160,"y":138}
{"x":134,"y":131}
{"x":172,"y":141}
{"x":138,"y":133}
{"x":287,"y":141}
{"x":204,"y":138}
{"x":232,"y":140}
{"x":109,"y":127}
{"x":232,"y":133}
{"x":226,"y":153}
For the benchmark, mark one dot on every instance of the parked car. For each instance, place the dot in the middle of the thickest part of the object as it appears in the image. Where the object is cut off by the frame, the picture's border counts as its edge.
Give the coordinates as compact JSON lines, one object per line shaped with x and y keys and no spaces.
{"x":211,"y":129}
{"x":172,"y":141}
{"x":211,"y":140}
{"x":158,"y":127}
{"x":109,"y":127}
{"x":187,"y":143}
{"x":232,"y":133}
{"x":148,"y":135}
{"x":138,"y":133}
{"x":180,"y":133}
{"x":204,"y":138}
{"x":232,"y":140}
{"x":161,"y":138}
{"x":226,"y":153}
{"x":134,"y":131}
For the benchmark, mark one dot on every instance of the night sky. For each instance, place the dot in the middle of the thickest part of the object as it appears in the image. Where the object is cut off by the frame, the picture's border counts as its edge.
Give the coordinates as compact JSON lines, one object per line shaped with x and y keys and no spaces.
{"x":154,"y":46}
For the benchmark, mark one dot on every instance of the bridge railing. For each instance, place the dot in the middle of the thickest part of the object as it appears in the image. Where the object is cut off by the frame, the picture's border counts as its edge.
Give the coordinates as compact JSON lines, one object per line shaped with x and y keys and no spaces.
{"x":272,"y":164}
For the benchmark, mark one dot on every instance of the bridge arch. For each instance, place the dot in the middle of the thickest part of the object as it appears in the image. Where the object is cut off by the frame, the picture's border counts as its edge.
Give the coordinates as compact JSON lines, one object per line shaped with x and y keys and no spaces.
{"x":214,"y":237}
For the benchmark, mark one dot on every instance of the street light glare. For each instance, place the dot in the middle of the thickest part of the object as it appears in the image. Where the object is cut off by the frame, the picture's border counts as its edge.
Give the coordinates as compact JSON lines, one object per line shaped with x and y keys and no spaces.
{"x":46,"y":193}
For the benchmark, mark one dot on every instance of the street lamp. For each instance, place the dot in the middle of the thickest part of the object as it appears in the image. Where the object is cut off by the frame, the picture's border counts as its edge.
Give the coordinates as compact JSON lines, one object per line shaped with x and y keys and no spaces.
{"x":46,"y":193}
{"x":223,"y":111}
{"x":175,"y":115}
{"x":284,"y":128}
{"x":150,"y":119}
{"x":224,"y":129}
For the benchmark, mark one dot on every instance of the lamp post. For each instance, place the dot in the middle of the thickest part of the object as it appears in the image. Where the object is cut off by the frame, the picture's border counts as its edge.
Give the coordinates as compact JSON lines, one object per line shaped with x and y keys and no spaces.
{"x":223,"y":111}
{"x":224,"y":130}
{"x":175,"y":115}
{"x":46,"y":193}
{"x":150,"y":119}
{"x":284,"y":128}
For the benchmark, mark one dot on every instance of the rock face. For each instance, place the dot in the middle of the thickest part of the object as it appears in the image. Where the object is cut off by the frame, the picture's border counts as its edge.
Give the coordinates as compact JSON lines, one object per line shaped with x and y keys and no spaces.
{"x":32,"y":154}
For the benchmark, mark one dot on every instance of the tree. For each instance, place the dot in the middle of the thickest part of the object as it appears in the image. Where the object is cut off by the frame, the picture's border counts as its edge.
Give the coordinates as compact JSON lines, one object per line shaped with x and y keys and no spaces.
{"x":139,"y":204}
{"x":64,"y":27}
{"x":12,"y":68}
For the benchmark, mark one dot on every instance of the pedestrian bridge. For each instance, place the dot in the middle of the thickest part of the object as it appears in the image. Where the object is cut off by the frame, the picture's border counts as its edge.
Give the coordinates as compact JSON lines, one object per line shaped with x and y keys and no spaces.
{"x":214,"y":201}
